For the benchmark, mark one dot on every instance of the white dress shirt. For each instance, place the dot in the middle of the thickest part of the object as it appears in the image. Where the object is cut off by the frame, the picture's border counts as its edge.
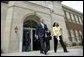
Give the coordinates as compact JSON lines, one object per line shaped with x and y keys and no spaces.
{"x":42,"y":25}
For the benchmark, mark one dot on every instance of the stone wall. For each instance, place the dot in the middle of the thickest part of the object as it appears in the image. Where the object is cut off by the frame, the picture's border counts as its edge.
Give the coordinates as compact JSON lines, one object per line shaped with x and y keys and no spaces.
{"x":4,"y":8}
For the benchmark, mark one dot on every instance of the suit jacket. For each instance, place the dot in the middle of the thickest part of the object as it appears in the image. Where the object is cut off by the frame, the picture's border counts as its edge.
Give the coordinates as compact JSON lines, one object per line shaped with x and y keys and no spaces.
{"x":40,"y":31}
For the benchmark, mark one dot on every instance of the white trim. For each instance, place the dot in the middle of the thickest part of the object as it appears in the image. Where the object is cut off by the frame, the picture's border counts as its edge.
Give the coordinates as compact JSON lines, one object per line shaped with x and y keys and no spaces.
{"x":21,"y":40}
{"x":31,"y":41}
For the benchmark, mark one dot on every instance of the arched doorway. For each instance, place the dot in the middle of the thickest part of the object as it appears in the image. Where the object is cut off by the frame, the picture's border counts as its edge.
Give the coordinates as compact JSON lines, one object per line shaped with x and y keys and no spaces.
{"x":29,"y":28}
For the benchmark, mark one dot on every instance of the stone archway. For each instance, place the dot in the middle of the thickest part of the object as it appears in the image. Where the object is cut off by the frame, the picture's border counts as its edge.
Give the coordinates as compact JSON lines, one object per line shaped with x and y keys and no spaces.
{"x":29,"y":25}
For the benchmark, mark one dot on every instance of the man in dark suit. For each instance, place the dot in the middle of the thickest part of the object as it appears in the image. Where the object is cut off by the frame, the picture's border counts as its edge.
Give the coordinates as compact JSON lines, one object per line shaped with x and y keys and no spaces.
{"x":41,"y":28}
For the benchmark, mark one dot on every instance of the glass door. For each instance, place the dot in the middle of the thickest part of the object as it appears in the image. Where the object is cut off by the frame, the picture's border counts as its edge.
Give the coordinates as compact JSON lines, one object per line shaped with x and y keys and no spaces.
{"x":26,"y":46}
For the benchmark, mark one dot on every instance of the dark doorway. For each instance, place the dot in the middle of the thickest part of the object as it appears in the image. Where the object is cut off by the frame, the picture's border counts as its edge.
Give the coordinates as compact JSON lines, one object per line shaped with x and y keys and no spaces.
{"x":36,"y":44}
{"x":26,"y":40}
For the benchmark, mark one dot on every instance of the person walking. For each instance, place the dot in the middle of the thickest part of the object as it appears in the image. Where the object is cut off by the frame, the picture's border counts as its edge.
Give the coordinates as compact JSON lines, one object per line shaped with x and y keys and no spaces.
{"x":41,"y":28}
{"x":58,"y":37}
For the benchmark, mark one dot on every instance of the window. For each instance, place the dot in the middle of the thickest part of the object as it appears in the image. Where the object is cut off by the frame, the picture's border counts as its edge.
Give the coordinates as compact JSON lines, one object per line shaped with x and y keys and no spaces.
{"x":80,"y":19}
{"x":72,"y":17}
{"x":70,"y":38}
{"x":68,"y":16}
{"x":65,"y":15}
{"x":72,"y":35}
{"x":76,"y":19}
{"x":77,"y":36}
{"x":80,"y":35}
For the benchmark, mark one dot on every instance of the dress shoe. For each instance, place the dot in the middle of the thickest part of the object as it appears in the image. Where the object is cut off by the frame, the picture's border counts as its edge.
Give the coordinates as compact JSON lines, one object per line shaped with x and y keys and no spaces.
{"x":55,"y":51}
{"x":66,"y":51}
{"x":41,"y":52}
{"x":45,"y":53}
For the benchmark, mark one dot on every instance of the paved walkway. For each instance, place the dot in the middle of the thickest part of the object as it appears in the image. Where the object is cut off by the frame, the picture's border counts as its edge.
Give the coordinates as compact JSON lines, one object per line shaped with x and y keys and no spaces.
{"x":72,"y":52}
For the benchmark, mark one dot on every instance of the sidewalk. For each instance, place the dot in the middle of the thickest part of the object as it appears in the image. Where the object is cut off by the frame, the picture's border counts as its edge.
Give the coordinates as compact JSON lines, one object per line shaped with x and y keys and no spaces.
{"x":72,"y":52}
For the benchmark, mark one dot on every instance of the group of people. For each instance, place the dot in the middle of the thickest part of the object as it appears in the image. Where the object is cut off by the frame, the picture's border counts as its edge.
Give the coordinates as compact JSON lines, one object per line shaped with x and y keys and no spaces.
{"x":43,"y":35}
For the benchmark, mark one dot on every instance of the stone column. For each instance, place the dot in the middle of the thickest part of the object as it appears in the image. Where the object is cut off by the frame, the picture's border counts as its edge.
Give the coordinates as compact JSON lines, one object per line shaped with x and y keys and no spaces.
{"x":7,"y":29}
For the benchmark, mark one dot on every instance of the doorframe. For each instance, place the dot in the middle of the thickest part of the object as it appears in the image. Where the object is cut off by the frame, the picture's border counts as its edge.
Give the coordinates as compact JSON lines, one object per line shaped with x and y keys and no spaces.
{"x":24,"y":19}
{"x":31,"y":32}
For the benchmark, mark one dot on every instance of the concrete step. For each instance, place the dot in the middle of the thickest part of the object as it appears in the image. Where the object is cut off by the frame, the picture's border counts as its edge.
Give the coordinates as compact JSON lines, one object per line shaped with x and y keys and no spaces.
{"x":72,"y":52}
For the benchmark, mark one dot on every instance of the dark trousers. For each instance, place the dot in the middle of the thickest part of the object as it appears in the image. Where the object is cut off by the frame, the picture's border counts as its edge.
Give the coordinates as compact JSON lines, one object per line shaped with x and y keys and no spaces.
{"x":42,"y":45}
{"x":61,"y":42}
{"x":48,"y":44}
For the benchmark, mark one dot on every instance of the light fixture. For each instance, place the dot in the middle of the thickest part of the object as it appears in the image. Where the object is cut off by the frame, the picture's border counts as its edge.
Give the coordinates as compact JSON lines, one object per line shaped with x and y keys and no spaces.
{"x":16,"y":29}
